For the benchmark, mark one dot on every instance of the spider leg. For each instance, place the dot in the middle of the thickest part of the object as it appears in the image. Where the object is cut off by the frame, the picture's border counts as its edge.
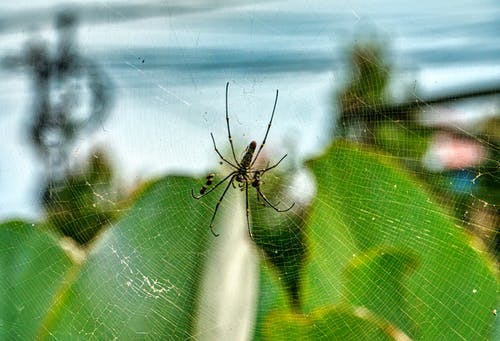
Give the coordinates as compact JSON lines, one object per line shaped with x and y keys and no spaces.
{"x":217,"y":207}
{"x":215,"y":186}
{"x":247,"y":210}
{"x":220,"y":155}
{"x":229,"y":130}
{"x":260,"y":194}
{"x":261,"y":202}
{"x":275,"y":165}
{"x":267,"y":131}
{"x":270,"y":204}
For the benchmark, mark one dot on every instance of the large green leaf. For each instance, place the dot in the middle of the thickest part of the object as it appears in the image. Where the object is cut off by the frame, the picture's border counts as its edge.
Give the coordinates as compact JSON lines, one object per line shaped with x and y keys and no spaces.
{"x":364,"y":201}
{"x":377,"y":280}
{"x":370,"y":224}
{"x":32,"y":268}
{"x":140,"y":279}
{"x":272,"y":297}
{"x":142,"y":276}
{"x":333,"y":323}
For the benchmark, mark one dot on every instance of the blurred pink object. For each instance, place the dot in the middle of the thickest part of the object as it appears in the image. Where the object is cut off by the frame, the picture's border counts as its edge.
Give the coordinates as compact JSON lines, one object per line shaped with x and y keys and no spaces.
{"x":451,"y":151}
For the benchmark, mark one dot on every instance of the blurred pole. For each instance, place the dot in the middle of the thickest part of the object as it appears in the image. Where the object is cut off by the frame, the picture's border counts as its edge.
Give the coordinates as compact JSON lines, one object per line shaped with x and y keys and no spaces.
{"x":71,"y":96}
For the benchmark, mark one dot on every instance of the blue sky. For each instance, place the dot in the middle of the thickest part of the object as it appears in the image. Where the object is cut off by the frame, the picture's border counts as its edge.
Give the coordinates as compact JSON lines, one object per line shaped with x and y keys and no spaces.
{"x":166,"y":107}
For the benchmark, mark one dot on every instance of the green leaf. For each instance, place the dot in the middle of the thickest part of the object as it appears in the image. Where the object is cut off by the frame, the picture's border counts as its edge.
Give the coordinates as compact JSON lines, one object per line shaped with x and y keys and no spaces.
{"x":272,"y":296}
{"x":281,"y":237}
{"x":404,"y":140}
{"x":32,"y":268}
{"x":337,"y":323}
{"x":287,"y":326}
{"x":370,"y":224}
{"x":140,"y":279}
{"x":377,"y":280}
{"x":142,"y":276}
{"x":365,"y":200}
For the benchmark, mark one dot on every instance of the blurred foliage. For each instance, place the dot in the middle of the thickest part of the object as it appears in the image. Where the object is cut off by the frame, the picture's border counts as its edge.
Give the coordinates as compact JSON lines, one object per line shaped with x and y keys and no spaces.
{"x":376,"y":240}
{"x":361,"y":104}
{"x":333,"y":323}
{"x":367,"y":114}
{"x":141,"y":276}
{"x":84,"y":202}
{"x":369,"y":77}
{"x":487,"y":194}
{"x":33,"y":267}
{"x":489,"y":181}
{"x":281,"y":235}
{"x":375,"y":259}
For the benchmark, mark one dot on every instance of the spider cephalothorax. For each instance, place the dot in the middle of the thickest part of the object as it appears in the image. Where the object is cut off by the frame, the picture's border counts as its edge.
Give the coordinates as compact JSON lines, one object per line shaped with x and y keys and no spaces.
{"x":243,"y":171}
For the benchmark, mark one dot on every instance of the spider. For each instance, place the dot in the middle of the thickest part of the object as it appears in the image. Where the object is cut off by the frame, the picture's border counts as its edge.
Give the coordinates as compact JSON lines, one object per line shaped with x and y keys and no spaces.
{"x":243,"y":172}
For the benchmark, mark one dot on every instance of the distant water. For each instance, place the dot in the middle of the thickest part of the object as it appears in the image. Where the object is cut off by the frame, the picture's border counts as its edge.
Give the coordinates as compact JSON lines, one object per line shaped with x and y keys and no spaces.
{"x":169,"y":74}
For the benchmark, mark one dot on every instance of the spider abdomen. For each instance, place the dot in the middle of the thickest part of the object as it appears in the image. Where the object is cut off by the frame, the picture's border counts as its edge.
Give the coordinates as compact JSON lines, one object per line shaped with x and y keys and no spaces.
{"x":247,"y":158}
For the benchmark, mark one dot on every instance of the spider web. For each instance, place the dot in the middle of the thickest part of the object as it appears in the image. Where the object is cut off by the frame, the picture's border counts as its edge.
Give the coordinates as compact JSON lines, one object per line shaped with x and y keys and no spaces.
{"x":149,"y":267}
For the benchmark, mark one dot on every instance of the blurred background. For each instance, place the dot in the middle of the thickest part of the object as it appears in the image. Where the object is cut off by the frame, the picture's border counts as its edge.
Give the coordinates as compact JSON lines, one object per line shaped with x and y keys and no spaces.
{"x":97,"y":97}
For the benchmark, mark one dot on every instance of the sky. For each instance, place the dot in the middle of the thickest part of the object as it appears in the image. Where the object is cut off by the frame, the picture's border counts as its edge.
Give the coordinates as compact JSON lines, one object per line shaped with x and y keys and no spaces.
{"x":168,"y":63}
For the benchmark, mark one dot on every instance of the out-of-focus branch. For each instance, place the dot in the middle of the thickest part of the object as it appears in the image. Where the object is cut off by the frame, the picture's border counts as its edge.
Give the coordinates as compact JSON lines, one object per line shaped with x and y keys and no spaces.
{"x":405,"y":110}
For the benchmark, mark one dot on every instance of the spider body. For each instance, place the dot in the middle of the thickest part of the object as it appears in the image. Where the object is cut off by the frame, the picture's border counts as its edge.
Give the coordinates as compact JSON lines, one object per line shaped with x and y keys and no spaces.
{"x":247,"y":158}
{"x":243,"y":172}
